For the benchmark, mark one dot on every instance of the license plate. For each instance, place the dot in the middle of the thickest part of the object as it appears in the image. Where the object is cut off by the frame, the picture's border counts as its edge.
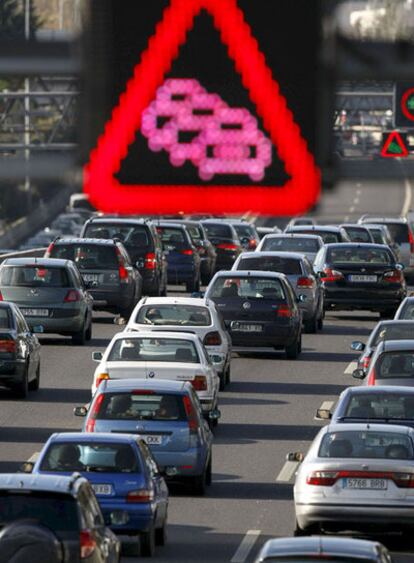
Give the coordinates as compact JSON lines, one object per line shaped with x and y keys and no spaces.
{"x":35,"y":312}
{"x":152,"y":440}
{"x":354,"y":483}
{"x":91,"y":277}
{"x":102,"y":489}
{"x":362,"y":278}
{"x":241,"y":327}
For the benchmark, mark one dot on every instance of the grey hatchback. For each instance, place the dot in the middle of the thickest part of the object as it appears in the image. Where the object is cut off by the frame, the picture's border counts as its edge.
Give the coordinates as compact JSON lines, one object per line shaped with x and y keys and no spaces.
{"x":50,"y":293}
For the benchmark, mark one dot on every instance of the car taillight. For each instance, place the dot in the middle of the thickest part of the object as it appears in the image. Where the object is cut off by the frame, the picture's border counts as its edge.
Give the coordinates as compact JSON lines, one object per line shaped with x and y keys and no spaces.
{"x":322,"y":478}
{"x":7,"y":346}
{"x":329,"y":478}
{"x":96,"y":407}
{"x":123,"y":272}
{"x":49,"y":249}
{"x":72,"y":296}
{"x":404,"y":480}
{"x":305,"y":282}
{"x":141,"y":495}
{"x":366,"y":361}
{"x":227,"y":246}
{"x":411,"y":240}
{"x":329,"y":275}
{"x":87,"y":544}
{"x":393,"y":276}
{"x":150,"y":262}
{"x":1,"y":296}
{"x":371,"y":377}
{"x":187,"y":252}
{"x":284,"y":311}
{"x":252,"y":244}
{"x":212,"y":339}
{"x":199,"y":383}
{"x":191,"y":415}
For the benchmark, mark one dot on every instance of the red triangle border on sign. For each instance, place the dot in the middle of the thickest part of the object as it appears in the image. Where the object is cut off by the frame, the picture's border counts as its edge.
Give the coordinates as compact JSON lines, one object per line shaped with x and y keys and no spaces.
{"x":299,"y":193}
{"x":394,"y":136}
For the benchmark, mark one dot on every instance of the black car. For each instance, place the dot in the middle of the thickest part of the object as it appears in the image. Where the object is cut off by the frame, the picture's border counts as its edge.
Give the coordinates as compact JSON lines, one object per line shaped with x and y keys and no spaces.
{"x":182,"y":256}
{"x":259,"y":309}
{"x":205,"y":249}
{"x":115,"y":284}
{"x":142,"y":243}
{"x":328,"y":233}
{"x":67,"y":507}
{"x":226,"y":241}
{"x":19,"y":351}
{"x":360,"y":276}
{"x":247,"y":233}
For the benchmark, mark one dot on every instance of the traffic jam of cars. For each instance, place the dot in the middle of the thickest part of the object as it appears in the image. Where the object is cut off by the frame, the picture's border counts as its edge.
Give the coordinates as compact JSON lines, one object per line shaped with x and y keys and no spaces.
{"x":186,"y":296}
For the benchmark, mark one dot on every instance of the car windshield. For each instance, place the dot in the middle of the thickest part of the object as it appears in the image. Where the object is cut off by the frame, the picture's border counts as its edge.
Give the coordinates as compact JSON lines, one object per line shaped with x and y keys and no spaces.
{"x":381,"y":405}
{"x":249,"y":287}
{"x":288,"y":266}
{"x":153,"y":350}
{"x":33,"y":276}
{"x":215,"y":230}
{"x":87,"y":256}
{"x":357,"y":234}
{"x":294,"y":244}
{"x":130,"y":235}
{"x":397,"y":331}
{"x":142,"y":405}
{"x":408,"y":311}
{"x":174,"y":315}
{"x":328,"y":237}
{"x":58,"y":512}
{"x":366,"y":444}
{"x":92,"y":456}
{"x":396,"y":365}
{"x":350,"y":255}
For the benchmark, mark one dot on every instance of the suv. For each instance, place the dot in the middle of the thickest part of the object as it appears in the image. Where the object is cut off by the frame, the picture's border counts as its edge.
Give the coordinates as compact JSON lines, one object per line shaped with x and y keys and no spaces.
{"x":66,"y":506}
{"x":142,"y":243}
{"x":116,"y":284}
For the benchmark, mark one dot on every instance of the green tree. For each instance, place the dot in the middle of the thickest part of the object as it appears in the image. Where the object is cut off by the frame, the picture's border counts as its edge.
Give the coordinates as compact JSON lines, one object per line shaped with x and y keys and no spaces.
{"x":12,"y":19}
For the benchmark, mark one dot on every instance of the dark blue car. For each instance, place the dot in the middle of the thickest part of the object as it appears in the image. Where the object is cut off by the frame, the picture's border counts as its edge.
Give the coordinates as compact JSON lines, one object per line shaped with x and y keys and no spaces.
{"x":131,"y":492}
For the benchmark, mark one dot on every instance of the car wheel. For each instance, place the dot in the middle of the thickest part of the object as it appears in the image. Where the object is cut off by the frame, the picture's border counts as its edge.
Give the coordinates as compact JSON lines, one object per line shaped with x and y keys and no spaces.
{"x":223,"y":381}
{"x":293,"y":350}
{"x":88,"y":334}
{"x":209,"y":475}
{"x":22,"y":389}
{"x":34,"y":385}
{"x":79,"y":338}
{"x":161,"y":533}
{"x":298,"y":531}
{"x":147,"y":542}
{"x":311,"y":326}
{"x":200,"y":483}
{"x":228,"y":375}
{"x":320,"y":323}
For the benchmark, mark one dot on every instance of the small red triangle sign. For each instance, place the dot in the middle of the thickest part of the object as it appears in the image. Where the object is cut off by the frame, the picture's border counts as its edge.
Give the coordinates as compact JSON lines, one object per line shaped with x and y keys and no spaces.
{"x":394,"y":146}
{"x":299,"y":193}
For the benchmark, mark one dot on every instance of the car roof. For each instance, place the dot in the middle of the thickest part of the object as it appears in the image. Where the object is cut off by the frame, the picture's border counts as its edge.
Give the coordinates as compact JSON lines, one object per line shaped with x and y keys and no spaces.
{"x":270,"y":253}
{"x":374,"y":218}
{"x":378,"y":390}
{"x":368,"y":245}
{"x":394,"y":322}
{"x":94,"y":437}
{"x":333,"y":228}
{"x":123,"y":220}
{"x":160,"y":334}
{"x":294,"y":235}
{"x":249,"y":274}
{"x":194,"y":301}
{"x":167,"y":385}
{"x":80,"y":240}
{"x":33,"y":261}
{"x":319,"y":545}
{"x":357,"y":225}
{"x":397,"y":345}
{"x":171,"y":224}
{"x":367,"y":426}
{"x":47,"y":483}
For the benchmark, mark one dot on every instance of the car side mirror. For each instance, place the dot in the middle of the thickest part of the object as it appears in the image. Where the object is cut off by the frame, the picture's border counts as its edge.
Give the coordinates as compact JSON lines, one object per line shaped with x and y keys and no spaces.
{"x":80,"y":411}
{"x":359,"y":374}
{"x":97,"y":356}
{"x":400,"y":266}
{"x":295,"y":456}
{"x":302,"y":298}
{"x":26,"y":467}
{"x":38,"y":329}
{"x":215,"y":414}
{"x":323,"y":414}
{"x":358,"y":346}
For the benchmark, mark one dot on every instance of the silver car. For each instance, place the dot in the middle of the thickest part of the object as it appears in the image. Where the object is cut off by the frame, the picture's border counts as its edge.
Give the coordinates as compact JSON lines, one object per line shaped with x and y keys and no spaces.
{"x":309,"y":245}
{"x":357,"y":477}
{"x":50,"y":293}
{"x":299,"y":272}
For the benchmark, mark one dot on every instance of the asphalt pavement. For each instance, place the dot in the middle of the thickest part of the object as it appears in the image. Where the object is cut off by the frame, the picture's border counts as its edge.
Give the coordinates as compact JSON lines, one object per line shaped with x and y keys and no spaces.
{"x":267,"y":411}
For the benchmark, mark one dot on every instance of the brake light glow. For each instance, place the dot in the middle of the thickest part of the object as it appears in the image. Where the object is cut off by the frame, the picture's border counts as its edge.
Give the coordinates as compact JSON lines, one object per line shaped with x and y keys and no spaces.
{"x":322,"y":478}
{"x":187,"y":252}
{"x":199,"y":383}
{"x":330,"y":275}
{"x":252,"y":243}
{"x":212,"y":339}
{"x":141,"y":495}
{"x":123,"y":272}
{"x":1,"y":296}
{"x":96,"y":407}
{"x":7,"y":346}
{"x":284,"y":311}
{"x":329,"y":478}
{"x":72,"y":296}
{"x":305,"y":282}
{"x":150,"y":261}
{"x":393,"y":276}
{"x":87,"y":544}
{"x":191,"y":415}
{"x":411,"y":240}
{"x":227,"y":246}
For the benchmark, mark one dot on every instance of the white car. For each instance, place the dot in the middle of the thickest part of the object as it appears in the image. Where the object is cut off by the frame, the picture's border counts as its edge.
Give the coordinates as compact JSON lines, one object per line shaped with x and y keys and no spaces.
{"x":165,"y":355}
{"x":198,"y":316}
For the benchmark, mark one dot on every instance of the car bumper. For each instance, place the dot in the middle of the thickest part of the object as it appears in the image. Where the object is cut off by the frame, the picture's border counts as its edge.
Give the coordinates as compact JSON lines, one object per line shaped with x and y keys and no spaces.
{"x":181,"y":274}
{"x":139,"y":518}
{"x":188,"y":463}
{"x":110,"y":299}
{"x":63,"y":325}
{"x":272,"y":336}
{"x":352,"y":298}
{"x":12,"y":371}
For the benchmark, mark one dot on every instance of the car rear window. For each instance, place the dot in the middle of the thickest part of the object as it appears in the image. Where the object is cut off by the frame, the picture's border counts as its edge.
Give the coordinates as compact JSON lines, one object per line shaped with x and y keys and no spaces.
{"x":142,"y":405}
{"x":130,"y":235}
{"x":291,"y":244}
{"x":174,"y":315}
{"x":33,"y":276}
{"x":366,"y":444}
{"x":57,"y":512}
{"x":395,"y":331}
{"x":5,"y":318}
{"x":217,"y":231}
{"x":350,"y":255}
{"x":328,"y":237}
{"x":196,"y":233}
{"x":87,"y":256}
{"x":245,"y":231}
{"x":408,"y":311}
{"x":399,"y":232}
{"x":252,"y":287}
{"x":172,"y":238}
{"x":395,"y":365}
{"x":153,"y":350}
{"x":387,"y":405}
{"x":288,"y":266}
{"x":357,"y":234}
{"x":92,"y":456}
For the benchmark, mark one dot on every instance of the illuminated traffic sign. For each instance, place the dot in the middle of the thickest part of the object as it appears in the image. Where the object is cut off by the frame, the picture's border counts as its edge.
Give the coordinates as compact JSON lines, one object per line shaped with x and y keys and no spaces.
{"x":404,"y":104}
{"x":394,"y":145}
{"x":186,"y":136}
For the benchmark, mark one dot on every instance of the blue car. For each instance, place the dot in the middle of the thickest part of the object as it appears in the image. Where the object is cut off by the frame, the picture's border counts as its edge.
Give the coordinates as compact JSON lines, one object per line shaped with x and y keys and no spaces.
{"x":132,"y":494}
{"x":166,"y":414}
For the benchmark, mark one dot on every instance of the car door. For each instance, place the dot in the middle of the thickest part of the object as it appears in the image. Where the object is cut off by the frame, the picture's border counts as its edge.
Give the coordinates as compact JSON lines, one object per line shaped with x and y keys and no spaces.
{"x":160,"y":486}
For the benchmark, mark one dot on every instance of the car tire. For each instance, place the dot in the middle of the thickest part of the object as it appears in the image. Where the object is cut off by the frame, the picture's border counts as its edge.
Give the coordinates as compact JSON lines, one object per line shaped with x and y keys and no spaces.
{"x":293,"y":350}
{"x":200,"y":483}
{"x":209,"y":474}
{"x":161,"y":534}
{"x":223,"y":381}
{"x":299,"y":532}
{"x":311,"y":326}
{"x":147,"y":543}
{"x":88,"y":334}
{"x":228,"y":375}
{"x":22,"y":389}
{"x":320,"y":323}
{"x":79,"y":338}
{"x":35,"y":384}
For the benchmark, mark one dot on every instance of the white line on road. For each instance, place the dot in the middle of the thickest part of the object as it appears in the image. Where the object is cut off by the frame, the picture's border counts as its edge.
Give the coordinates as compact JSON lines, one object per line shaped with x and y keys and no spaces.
{"x":407,"y":199}
{"x":351,"y":367}
{"x":356,"y":200}
{"x":246,"y":546}
{"x":287,"y":472}
{"x":351,"y":209}
{"x":346,"y":218}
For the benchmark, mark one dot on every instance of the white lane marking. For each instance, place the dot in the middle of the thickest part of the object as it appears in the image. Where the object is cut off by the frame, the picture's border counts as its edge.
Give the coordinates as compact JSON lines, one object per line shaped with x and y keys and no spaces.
{"x":346,"y":218}
{"x":356,"y":200}
{"x":358,"y":192}
{"x":287,"y":472}
{"x":246,"y":546}
{"x":351,"y":209}
{"x":408,"y":198}
{"x":351,"y":367}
